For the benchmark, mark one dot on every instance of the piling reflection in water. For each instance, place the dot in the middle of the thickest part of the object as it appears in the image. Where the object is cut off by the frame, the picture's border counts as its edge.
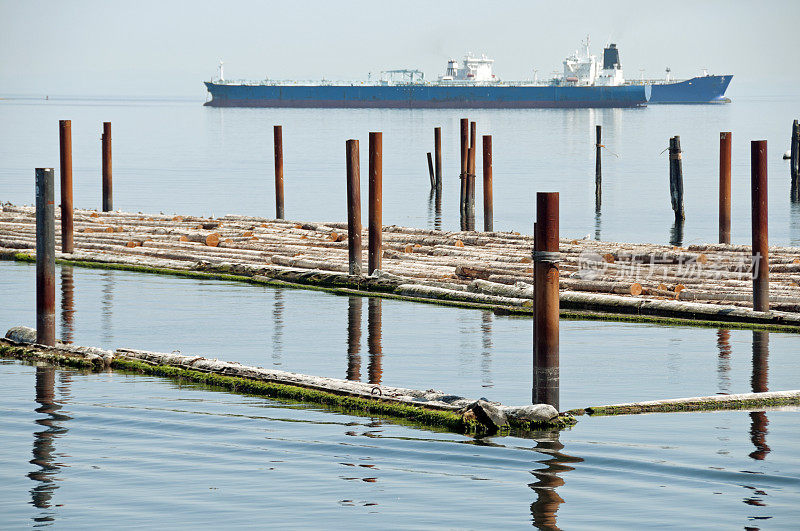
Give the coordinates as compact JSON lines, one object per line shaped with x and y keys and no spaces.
{"x":374,"y":346}
{"x":486,"y":352}
{"x":277,"y":328}
{"x":67,"y":304}
{"x":435,"y":210}
{"x":724,"y":361}
{"x":794,"y":223}
{"x":598,"y":219}
{"x":758,"y":419}
{"x":106,"y":306}
{"x":676,"y":233}
{"x":545,"y":507}
{"x":354,"y":338}
{"x":44,"y":441}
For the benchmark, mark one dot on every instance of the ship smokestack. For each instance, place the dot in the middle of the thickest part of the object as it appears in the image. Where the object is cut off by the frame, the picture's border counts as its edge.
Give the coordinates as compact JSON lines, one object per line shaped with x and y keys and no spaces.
{"x":611,"y":58}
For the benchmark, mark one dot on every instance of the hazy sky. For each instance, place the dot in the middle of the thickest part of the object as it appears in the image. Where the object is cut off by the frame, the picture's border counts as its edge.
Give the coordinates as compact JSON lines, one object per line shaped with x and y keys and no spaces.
{"x":150,"y":48}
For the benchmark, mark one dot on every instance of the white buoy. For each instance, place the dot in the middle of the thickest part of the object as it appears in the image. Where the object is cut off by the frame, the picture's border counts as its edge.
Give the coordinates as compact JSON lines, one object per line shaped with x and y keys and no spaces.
{"x":787,"y":155}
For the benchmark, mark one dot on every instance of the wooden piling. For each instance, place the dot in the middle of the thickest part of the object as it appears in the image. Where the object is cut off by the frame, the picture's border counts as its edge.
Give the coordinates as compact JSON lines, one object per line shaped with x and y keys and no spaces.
{"x":431,"y":171}
{"x":45,"y":258}
{"x":598,"y":169}
{"x":65,"y":145}
{"x":760,"y":248}
{"x":488,"y":214}
{"x":546,"y":301}
{"x":353,"y":208}
{"x":676,"y":177}
{"x":437,"y":156}
{"x":277,"y":135}
{"x":375,"y":201}
{"x":794,"y":162}
{"x":725,"y":187}
{"x":108,"y":203}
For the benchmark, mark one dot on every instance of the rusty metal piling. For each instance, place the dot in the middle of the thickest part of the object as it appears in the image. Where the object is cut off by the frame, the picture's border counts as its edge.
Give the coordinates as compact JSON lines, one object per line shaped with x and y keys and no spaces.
{"x":794,"y":162}
{"x":375,"y":201}
{"x":431,"y":172}
{"x":108,"y":203}
{"x":725,"y":187}
{"x":546,"y":302}
{"x":45,"y":258}
{"x":277,"y":136}
{"x":760,"y":249}
{"x":353,"y":207}
{"x":488,"y":214}
{"x":65,"y":150}
{"x":464,"y":128}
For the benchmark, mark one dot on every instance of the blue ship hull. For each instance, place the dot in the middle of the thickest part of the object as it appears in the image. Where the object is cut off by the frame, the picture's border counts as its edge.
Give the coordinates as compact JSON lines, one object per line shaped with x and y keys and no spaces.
{"x":412,"y":96}
{"x":705,"y":89}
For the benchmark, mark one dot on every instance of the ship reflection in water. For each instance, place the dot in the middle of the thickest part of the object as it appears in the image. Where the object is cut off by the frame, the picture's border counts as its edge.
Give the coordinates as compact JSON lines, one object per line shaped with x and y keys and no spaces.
{"x":44,"y":455}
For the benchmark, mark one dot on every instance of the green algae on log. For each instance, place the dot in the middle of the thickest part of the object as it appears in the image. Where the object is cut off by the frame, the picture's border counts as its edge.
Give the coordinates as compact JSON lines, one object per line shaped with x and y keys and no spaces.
{"x":697,"y":403}
{"x":427,"y":408}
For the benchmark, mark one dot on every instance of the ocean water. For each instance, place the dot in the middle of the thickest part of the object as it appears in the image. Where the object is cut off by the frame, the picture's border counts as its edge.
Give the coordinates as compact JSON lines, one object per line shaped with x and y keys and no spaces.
{"x":176,"y":156}
{"x":473,"y":353}
{"x":86,"y":450}
{"x":79,"y":449}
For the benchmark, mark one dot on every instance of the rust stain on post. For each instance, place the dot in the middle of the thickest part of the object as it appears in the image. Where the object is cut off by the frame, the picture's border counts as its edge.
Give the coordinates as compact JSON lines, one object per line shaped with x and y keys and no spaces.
{"x":463,"y":175}
{"x":375,"y":201}
{"x":725,"y":187}
{"x":758,"y":187}
{"x":108,"y":203}
{"x":65,"y":145}
{"x":353,"y":207}
{"x":488,"y":213}
{"x":546,"y":301}
{"x":598,"y":170}
{"x":45,"y":258}
{"x":278,"y":141}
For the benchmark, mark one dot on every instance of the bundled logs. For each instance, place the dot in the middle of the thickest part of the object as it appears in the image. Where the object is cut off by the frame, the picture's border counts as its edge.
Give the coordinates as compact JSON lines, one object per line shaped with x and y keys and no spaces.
{"x":474,"y":264}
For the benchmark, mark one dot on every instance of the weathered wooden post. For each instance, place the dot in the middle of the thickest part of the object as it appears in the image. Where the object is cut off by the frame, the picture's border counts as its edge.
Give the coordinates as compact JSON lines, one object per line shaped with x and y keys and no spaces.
{"x":463,"y":176}
{"x":725,"y":187}
{"x":353,"y":208}
{"x":277,"y":135}
{"x":676,"y":177}
{"x":488,"y":215}
{"x":65,"y":145}
{"x":598,"y":170}
{"x":375,"y":201}
{"x":437,"y":156}
{"x":760,"y":250}
{"x":431,"y":171}
{"x":794,"y":162}
{"x":45,"y":258}
{"x":108,"y":203}
{"x":546,"y":302}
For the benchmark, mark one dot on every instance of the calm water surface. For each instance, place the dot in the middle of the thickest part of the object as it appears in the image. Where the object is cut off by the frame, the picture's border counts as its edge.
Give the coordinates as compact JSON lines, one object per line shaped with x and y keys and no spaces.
{"x":86,"y":449}
{"x":78,"y":449}
{"x":181,"y":157}
{"x":469,"y":352}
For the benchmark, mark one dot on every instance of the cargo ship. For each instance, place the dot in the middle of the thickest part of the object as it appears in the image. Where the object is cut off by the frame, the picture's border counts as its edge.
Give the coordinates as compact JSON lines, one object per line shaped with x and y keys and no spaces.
{"x":584,"y":82}
{"x":470,"y":84}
